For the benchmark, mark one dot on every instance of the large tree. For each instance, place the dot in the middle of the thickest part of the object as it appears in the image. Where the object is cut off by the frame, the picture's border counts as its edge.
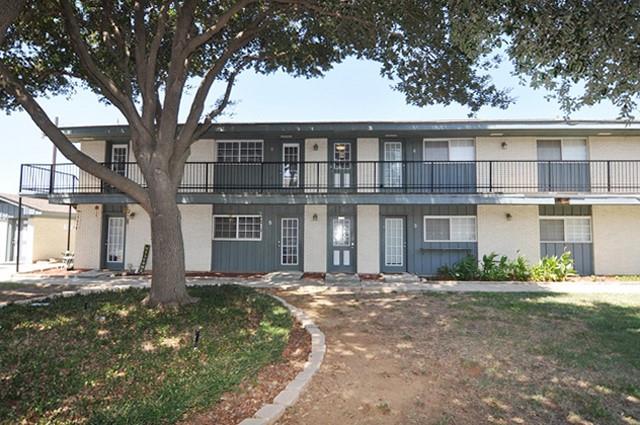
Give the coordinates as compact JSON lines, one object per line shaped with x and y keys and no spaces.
{"x":142,"y":55}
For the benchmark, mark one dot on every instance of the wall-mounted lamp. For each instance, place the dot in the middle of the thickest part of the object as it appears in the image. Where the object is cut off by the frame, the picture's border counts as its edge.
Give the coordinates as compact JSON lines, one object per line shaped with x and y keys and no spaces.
{"x":315,"y":147}
{"x":504,"y":145}
{"x":314,"y":217}
{"x":508,"y":216}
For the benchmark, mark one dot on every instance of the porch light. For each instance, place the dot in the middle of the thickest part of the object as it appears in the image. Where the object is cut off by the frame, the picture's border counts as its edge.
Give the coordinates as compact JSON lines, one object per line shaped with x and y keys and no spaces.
{"x":315,"y":147}
{"x":314,"y":217}
{"x":508,"y":216}
{"x":503,"y":145}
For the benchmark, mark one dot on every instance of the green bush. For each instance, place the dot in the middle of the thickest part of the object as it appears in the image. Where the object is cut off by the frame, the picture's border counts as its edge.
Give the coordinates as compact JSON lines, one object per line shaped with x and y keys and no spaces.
{"x":554,"y":268}
{"x":465,"y":269}
{"x":500,"y":268}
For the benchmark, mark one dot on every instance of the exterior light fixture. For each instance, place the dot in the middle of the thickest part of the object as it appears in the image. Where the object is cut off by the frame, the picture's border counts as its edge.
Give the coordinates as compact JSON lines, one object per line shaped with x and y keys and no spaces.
{"x":503,"y":145}
{"x":315,"y":147}
{"x":508,"y":216}
{"x":315,"y":217}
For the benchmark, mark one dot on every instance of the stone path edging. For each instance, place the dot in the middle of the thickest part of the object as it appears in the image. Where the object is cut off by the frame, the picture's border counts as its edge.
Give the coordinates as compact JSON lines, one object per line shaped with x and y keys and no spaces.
{"x":271,"y":412}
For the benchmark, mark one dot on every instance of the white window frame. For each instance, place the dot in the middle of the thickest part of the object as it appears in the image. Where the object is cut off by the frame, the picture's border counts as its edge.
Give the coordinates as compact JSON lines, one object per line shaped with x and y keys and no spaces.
{"x":239,"y":142}
{"x":237,"y":217}
{"x":562,"y":143}
{"x":457,"y":139}
{"x":449,"y":217}
{"x":566,"y":218}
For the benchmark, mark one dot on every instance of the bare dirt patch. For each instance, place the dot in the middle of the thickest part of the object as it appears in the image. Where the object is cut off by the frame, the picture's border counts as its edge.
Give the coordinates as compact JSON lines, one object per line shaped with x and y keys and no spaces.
{"x":453,"y":359}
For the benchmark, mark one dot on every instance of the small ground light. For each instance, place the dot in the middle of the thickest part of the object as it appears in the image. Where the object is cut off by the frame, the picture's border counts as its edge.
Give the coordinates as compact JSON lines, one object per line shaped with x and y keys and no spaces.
{"x":196,"y":337}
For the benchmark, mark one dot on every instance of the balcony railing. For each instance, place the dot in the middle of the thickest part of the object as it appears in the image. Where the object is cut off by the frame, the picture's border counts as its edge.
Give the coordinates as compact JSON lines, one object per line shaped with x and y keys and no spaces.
{"x":445,"y":177}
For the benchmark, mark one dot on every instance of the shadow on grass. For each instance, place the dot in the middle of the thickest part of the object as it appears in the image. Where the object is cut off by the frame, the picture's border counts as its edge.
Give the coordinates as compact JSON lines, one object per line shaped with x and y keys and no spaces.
{"x":105,"y":358}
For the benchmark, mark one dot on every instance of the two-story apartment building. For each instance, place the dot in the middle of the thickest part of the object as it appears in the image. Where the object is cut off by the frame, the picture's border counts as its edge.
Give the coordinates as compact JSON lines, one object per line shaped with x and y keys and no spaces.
{"x":371,"y":197}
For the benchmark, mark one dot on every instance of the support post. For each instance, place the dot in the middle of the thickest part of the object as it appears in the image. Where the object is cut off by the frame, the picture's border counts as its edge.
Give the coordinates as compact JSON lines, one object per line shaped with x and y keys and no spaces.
{"x":69,"y":229}
{"x":19,"y":230}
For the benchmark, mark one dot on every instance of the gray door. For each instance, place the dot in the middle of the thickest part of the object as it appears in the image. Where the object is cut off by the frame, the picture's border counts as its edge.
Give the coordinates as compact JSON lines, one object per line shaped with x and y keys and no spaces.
{"x":114,"y":242}
{"x":342,"y":170}
{"x":342,"y":245}
{"x":394,"y":250}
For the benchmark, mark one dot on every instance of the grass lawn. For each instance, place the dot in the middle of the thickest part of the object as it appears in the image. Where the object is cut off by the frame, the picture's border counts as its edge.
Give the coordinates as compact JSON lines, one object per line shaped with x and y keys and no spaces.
{"x":106,"y":359}
{"x":474,"y":358}
{"x":587,"y":348}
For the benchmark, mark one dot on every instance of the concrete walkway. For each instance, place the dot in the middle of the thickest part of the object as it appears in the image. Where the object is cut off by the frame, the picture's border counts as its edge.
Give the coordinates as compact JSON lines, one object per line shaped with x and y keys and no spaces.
{"x":104,"y":281}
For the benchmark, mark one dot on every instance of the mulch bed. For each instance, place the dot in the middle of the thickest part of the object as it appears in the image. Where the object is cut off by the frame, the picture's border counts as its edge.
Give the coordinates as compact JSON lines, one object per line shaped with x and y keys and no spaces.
{"x":253,"y":393}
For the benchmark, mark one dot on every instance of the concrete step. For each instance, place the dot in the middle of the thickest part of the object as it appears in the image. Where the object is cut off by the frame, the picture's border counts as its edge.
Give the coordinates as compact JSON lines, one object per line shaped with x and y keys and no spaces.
{"x":341,"y":278}
{"x":282,"y":277}
{"x":400,"y":278}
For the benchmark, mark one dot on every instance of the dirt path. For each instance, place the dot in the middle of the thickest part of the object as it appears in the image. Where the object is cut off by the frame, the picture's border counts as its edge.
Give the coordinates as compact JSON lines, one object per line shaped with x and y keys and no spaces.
{"x":381,"y":366}
{"x":413,"y":359}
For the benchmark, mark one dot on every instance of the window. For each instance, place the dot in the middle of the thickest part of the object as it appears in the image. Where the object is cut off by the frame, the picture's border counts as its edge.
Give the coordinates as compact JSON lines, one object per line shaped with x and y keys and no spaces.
{"x":449,"y":150}
{"x":240,"y":150}
{"x":569,"y":149}
{"x":237,"y":227}
{"x":449,"y":228}
{"x":565,"y":229}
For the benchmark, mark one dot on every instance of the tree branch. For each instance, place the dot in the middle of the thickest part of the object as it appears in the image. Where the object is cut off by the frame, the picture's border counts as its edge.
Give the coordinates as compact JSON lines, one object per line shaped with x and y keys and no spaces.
{"x":10,"y":11}
{"x":186,"y":136}
{"x":108,"y":87}
{"x":200,"y":39}
{"x":13,"y":86}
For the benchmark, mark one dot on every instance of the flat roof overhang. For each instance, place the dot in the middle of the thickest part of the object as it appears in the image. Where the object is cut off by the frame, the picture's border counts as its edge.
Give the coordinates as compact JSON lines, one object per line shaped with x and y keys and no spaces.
{"x":387,"y":129}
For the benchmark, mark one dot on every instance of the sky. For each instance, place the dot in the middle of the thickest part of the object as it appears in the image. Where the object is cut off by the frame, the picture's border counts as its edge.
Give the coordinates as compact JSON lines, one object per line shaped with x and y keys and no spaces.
{"x":352,"y":91}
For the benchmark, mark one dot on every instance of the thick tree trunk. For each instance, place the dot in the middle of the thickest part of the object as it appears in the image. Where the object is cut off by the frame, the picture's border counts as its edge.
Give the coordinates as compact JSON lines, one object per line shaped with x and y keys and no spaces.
{"x":168,"y":286}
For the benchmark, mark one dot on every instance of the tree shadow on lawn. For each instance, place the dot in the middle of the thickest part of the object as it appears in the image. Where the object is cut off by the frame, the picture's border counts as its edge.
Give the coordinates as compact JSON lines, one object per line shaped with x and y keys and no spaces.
{"x":104,"y":358}
{"x":490,"y":357}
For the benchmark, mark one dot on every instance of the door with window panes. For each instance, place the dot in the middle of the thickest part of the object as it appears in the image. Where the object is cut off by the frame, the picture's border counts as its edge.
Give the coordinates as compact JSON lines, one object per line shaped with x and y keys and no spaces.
{"x":342,"y":244}
{"x":288,"y":245}
{"x":342,"y":170}
{"x":392,"y":167}
{"x":117,"y":158}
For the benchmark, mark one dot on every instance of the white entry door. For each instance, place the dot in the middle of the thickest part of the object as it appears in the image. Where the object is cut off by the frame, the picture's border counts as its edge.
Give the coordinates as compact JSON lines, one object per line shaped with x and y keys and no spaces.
{"x":392,"y":164}
{"x":289,"y":245}
{"x":291,"y":165}
{"x":114,"y":253}
{"x":394,"y":244}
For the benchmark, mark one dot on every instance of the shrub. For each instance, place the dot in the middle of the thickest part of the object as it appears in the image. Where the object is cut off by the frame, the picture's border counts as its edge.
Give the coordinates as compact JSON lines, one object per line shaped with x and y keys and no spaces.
{"x":494,"y":267}
{"x":554,"y":268}
{"x":465,"y":269}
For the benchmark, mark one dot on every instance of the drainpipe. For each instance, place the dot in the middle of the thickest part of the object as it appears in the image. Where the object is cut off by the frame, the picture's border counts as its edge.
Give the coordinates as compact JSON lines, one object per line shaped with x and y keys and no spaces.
{"x":19,"y":231}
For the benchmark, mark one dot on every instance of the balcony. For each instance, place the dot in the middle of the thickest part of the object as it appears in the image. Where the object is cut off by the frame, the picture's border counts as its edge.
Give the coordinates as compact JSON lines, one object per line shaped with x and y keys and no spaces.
{"x":364,"y":177}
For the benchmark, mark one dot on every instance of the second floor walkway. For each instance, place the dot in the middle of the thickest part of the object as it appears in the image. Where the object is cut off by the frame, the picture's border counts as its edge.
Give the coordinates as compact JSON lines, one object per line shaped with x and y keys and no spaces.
{"x":363,"y":177}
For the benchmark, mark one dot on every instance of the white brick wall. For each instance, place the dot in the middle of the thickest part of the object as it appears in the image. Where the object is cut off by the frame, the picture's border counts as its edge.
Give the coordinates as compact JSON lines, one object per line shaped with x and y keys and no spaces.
{"x":368,"y":246}
{"x":88,"y":236}
{"x":616,"y":232}
{"x":506,"y":237}
{"x":315,"y":239}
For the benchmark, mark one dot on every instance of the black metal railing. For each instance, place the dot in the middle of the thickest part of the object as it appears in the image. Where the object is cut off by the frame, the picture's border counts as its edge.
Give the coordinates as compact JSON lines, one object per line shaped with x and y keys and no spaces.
{"x":364,"y":176}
